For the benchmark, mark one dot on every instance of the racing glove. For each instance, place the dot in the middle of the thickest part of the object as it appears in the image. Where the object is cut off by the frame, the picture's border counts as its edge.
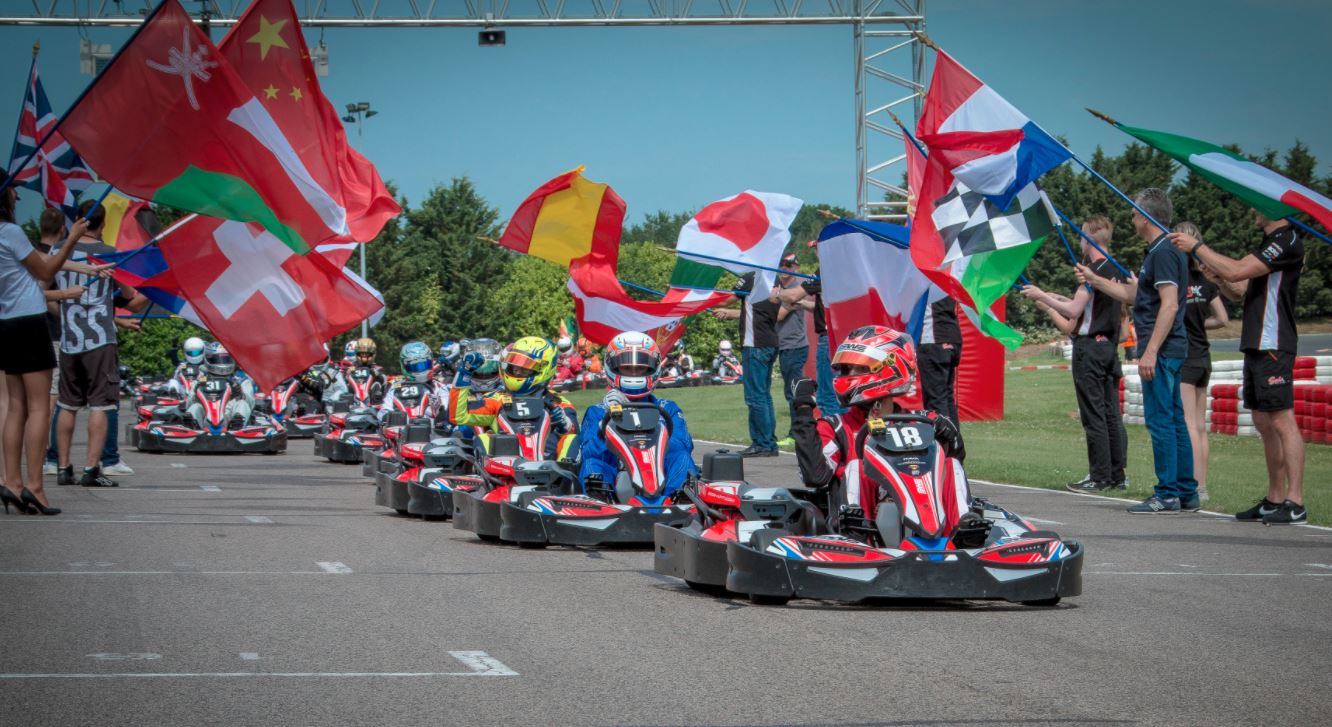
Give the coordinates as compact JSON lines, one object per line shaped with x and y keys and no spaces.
{"x":614,"y":396}
{"x":803,"y":392}
{"x":971,"y":531}
{"x":947,"y":435}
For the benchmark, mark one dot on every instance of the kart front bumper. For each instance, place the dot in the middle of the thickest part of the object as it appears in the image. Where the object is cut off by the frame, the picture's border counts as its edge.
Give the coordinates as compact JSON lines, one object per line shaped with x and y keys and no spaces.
{"x":632,"y":526}
{"x":682,"y":552}
{"x":148,"y":440}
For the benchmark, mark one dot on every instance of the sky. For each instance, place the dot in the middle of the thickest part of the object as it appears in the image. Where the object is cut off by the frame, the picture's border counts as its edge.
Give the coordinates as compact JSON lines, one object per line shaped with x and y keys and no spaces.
{"x":674,"y":118}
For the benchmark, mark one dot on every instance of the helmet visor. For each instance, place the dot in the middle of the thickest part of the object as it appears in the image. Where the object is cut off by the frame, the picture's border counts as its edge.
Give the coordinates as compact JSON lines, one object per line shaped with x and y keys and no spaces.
{"x":419,"y":366}
{"x":635,"y":362}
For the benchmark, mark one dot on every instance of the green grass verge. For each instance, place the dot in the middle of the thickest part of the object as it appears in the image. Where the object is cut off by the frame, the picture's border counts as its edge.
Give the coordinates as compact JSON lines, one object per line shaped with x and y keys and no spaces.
{"x":1040,"y":442}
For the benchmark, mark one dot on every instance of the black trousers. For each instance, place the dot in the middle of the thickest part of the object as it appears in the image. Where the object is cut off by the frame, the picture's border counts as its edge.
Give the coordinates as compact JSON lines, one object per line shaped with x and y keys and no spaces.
{"x":938,"y":377}
{"x":1096,"y":381}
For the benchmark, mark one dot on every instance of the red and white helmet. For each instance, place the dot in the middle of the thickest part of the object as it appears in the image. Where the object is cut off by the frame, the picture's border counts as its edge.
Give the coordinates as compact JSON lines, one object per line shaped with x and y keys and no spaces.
{"x":872,"y":363}
{"x":632,"y":360}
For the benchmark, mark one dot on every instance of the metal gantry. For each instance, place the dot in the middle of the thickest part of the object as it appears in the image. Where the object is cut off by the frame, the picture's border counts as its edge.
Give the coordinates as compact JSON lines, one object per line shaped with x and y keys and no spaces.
{"x":889,"y":61}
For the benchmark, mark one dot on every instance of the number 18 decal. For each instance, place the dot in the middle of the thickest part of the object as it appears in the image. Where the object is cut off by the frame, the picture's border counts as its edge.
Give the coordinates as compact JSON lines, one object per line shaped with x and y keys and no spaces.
{"x":905,"y":437}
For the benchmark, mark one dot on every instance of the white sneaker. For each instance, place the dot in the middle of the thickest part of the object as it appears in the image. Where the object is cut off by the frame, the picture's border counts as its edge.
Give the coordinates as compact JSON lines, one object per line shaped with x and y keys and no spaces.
{"x":119,"y":468}
{"x":50,"y":468}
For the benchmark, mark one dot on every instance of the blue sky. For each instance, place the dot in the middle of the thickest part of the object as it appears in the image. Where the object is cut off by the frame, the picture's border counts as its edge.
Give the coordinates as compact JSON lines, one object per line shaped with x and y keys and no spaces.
{"x":674,"y":118}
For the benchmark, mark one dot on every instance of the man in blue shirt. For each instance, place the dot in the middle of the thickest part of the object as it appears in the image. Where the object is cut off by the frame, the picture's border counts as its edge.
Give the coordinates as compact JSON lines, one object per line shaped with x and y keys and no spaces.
{"x":1157,"y":296}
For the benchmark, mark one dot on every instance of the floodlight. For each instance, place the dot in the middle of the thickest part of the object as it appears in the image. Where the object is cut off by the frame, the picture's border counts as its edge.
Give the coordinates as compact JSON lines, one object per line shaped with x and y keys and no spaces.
{"x":490,"y":38}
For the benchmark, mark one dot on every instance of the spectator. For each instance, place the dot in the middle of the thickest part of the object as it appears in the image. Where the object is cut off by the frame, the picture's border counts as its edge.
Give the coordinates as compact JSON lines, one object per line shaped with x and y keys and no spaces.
{"x":1092,"y":319}
{"x":1203,"y":310}
{"x":809,"y":295}
{"x":1157,"y":295}
{"x":1267,"y":279}
{"x":792,"y":340}
{"x":758,"y":351}
{"x":89,"y":364}
{"x":938,"y":355}
{"x":26,"y":357}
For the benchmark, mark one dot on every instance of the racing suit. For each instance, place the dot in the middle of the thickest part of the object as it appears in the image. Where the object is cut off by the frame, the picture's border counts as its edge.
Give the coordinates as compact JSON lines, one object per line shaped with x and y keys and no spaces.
{"x":241,"y":403}
{"x":829,"y":459}
{"x":394,"y":398}
{"x":598,"y":459}
{"x":726,"y":365}
{"x":341,"y":387}
{"x":182,"y":380}
{"x":480,"y":412}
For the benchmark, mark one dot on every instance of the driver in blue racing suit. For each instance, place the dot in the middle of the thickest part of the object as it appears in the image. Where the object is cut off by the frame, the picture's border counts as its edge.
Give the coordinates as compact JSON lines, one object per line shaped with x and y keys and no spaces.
{"x":632,"y":361}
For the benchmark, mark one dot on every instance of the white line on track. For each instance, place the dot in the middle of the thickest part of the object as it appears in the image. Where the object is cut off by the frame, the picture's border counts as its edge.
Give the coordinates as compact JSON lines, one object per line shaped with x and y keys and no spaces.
{"x":334,"y":567}
{"x":179,"y":465}
{"x":210,"y":488}
{"x":249,"y":656}
{"x":1044,"y":522}
{"x":479,"y":664}
{"x":62,"y":521}
{"x":166,"y":573}
{"x":259,"y":519}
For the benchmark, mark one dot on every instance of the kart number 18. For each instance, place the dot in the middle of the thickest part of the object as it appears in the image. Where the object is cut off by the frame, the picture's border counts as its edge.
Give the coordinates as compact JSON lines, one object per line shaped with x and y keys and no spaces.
{"x":904,"y":437}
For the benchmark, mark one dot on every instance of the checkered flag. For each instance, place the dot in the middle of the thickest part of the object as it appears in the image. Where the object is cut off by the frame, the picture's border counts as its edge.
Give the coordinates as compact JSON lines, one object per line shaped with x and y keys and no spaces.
{"x":969,"y":224}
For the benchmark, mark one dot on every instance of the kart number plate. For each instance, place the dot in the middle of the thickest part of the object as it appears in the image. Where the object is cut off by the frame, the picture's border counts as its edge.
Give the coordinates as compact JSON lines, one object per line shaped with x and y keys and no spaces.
{"x":409,"y":393}
{"x":640,"y":419}
{"x":214,"y":386}
{"x":526,"y":409}
{"x":912,"y":437}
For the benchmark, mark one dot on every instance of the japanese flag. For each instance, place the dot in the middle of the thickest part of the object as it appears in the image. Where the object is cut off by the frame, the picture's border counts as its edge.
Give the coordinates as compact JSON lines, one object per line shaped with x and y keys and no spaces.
{"x":740,"y":233}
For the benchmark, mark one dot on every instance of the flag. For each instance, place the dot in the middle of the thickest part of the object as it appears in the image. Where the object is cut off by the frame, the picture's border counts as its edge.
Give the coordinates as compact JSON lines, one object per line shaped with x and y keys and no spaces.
{"x":1272,"y":194}
{"x":604,"y":310}
{"x":170,"y":121}
{"x":980,"y":137}
{"x":147,"y":273}
{"x":129,"y":223}
{"x":869,"y":280}
{"x":969,"y":224}
{"x":928,"y":250}
{"x":272,"y":308}
{"x":267,"y":50}
{"x":57,"y":172}
{"x":743,"y":232}
{"x":566,"y":219}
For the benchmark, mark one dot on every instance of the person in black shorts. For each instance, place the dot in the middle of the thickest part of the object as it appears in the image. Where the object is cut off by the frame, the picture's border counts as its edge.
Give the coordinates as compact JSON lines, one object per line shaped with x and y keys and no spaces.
{"x":1203,"y":311}
{"x":1267,"y":279}
{"x":1091,"y":318}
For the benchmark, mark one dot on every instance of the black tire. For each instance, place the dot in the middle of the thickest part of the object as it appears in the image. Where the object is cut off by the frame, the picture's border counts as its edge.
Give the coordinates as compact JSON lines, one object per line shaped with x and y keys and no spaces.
{"x":708,"y":588}
{"x":403,"y":513}
{"x":758,"y":600}
{"x":1043,"y":602}
{"x":488,"y":538}
{"x":528,"y":545}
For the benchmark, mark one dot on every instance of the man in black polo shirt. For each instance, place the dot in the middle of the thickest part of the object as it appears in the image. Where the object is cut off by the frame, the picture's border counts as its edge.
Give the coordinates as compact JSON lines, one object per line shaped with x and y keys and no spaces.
{"x":1158,"y":320}
{"x":1267,"y":279}
{"x":938,"y":355}
{"x":758,"y":352}
{"x":1093,"y":318}
{"x":809,"y":296}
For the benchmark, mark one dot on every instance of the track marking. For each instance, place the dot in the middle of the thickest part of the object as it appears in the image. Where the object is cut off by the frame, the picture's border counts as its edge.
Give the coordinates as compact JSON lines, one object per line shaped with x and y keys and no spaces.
{"x":259,"y":519}
{"x":1197,"y":573}
{"x":178,"y":465}
{"x":210,"y":488}
{"x":1044,"y":522}
{"x":478,"y":663}
{"x":334,"y":567}
{"x":109,"y":656}
{"x":1319,"y":565}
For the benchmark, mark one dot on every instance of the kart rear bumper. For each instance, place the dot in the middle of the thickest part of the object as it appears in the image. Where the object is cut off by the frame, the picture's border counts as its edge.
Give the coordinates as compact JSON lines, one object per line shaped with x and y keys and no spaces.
{"x":338,"y":450}
{"x":391,"y":492}
{"x":630,"y":527}
{"x":915,"y":575}
{"x":147,"y":440}
{"x":429,"y":501}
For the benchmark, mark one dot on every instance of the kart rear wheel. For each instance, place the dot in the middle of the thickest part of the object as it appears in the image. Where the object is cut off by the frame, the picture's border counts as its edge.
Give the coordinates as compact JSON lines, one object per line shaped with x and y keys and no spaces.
{"x":759,"y":600}
{"x":1043,"y":602}
{"x":708,"y":588}
{"x":488,"y":538}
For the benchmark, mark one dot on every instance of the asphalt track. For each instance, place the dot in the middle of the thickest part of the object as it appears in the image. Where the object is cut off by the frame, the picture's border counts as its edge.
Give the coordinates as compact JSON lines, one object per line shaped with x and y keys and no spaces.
{"x":269,"y":590}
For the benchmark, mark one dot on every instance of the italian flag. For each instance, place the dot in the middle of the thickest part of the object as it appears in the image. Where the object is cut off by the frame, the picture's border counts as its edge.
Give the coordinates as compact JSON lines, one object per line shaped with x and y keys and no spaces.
{"x":170,"y":120}
{"x":1270,"y":193}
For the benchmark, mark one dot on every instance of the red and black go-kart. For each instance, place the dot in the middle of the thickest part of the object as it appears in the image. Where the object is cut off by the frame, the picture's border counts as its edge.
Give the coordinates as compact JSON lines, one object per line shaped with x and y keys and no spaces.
{"x":300,"y":414}
{"x":522,"y":429}
{"x":347,"y":432}
{"x":912,"y":549}
{"x":429,"y":482}
{"x":623,"y":512}
{"x":728,"y":372}
{"x":410,"y":404}
{"x":171,"y":429}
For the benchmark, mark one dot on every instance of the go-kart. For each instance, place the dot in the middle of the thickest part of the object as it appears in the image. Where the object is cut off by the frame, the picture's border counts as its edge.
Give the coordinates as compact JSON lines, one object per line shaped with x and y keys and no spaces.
{"x":295,"y":411}
{"x":347,"y":432}
{"x":509,"y":462}
{"x":673,"y":376}
{"x":411,"y":403}
{"x":928,"y":540}
{"x":623,"y":512}
{"x":728,"y":372}
{"x":171,"y":429}
{"x":582,"y":381}
{"x":445,"y":462}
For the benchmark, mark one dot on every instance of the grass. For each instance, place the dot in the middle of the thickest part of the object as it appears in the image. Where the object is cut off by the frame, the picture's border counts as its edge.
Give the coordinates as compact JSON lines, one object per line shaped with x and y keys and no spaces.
{"x":1039,"y":442}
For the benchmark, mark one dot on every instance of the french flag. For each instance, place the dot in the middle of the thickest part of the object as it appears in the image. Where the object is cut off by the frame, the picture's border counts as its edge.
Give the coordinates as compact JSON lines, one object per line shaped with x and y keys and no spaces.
{"x":869,"y":279}
{"x":989,"y":145}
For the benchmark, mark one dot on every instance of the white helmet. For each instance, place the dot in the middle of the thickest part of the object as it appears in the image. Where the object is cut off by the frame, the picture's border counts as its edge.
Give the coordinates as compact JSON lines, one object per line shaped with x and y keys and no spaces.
{"x":194,"y":350}
{"x":724,"y":346}
{"x":564,"y":345}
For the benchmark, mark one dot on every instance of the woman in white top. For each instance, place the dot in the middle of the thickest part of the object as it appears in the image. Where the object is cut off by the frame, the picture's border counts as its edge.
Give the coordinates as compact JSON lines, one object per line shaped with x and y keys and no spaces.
{"x":26,"y":358}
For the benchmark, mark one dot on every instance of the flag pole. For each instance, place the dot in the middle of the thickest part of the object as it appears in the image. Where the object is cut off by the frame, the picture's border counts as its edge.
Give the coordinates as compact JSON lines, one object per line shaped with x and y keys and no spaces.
{"x":17,"y":127}
{"x":174,"y":226}
{"x":1091,"y":242}
{"x":1309,"y":230}
{"x":641,"y":288}
{"x":56,"y":126}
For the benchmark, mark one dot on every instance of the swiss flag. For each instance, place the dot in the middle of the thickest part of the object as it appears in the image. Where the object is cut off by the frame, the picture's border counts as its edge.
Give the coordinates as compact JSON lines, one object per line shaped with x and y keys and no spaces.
{"x":740,"y":233}
{"x":271,"y":308}
{"x":604,"y":310}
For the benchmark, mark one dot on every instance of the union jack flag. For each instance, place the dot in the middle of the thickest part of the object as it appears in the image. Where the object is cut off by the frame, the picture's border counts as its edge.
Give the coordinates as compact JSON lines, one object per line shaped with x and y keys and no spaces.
{"x":57,"y":172}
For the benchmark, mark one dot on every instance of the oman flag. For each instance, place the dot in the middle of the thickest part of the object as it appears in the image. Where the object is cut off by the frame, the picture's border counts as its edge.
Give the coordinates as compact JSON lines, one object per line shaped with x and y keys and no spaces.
{"x":268,"y":52}
{"x":272,"y":308}
{"x":744,"y":232}
{"x":1261,"y":188}
{"x":605,"y":310}
{"x":169,"y":120}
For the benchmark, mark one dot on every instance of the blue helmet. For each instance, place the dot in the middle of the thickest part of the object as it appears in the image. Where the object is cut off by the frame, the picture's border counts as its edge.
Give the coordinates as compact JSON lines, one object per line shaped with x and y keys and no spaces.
{"x":416,"y":361}
{"x":448,"y":354}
